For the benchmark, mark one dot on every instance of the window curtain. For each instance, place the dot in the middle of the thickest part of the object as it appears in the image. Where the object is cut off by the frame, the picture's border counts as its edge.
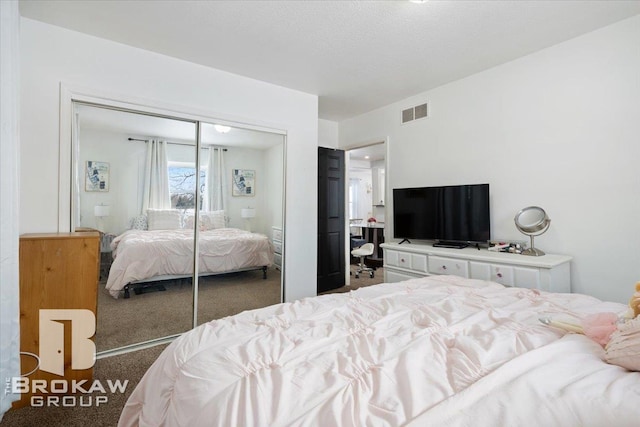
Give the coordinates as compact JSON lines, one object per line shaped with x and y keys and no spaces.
{"x":156,"y":183}
{"x":216,"y":187}
{"x":9,"y":199}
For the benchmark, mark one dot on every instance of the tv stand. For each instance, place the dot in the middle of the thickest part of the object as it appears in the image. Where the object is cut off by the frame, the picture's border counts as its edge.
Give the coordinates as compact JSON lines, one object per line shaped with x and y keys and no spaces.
{"x":449,"y":244}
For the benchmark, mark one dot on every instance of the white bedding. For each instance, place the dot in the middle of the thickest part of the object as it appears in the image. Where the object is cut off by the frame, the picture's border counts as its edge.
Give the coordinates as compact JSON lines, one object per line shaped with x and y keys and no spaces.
{"x":436,"y":351}
{"x":142,"y":254}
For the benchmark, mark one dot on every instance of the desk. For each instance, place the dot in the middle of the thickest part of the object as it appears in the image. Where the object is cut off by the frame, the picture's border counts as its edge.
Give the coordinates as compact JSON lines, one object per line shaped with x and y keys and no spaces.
{"x":373,"y":232}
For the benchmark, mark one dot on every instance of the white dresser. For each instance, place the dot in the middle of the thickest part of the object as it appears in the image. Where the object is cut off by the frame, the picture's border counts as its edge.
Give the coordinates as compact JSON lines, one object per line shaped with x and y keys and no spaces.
{"x":276,"y":238}
{"x":409,"y":260}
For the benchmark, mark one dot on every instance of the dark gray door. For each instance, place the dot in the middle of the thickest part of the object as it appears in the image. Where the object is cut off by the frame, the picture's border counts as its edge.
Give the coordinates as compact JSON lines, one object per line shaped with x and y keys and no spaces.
{"x":331,"y":222}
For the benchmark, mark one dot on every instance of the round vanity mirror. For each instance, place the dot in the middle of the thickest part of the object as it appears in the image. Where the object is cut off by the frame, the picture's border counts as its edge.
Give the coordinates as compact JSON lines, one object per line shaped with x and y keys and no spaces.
{"x":532,"y":221}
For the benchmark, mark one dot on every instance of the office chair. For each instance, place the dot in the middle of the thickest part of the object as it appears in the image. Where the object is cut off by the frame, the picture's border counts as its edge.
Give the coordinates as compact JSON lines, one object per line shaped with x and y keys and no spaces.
{"x":363,"y":252}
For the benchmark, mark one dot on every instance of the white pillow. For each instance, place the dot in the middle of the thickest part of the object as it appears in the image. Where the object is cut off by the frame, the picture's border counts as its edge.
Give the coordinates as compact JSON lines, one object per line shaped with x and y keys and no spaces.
{"x":188,"y":221}
{"x":164,"y":219}
{"x":139,"y":223}
{"x":213,"y":220}
{"x":208,"y":220}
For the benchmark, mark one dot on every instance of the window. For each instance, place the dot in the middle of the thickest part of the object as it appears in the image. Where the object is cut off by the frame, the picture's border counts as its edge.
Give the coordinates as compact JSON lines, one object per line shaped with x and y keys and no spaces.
{"x":182,"y":184}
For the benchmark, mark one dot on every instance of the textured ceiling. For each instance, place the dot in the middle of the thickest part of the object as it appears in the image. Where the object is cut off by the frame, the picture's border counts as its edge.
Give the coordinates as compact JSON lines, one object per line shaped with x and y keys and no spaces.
{"x":355,"y":55}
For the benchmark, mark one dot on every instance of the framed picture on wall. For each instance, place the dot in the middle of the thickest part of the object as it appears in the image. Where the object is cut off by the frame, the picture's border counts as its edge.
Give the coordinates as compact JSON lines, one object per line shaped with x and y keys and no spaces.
{"x":96,"y":176}
{"x":243,"y":182}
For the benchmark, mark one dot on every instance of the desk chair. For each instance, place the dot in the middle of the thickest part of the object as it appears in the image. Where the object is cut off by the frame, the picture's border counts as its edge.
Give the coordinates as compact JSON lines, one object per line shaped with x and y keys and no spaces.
{"x":363,"y":252}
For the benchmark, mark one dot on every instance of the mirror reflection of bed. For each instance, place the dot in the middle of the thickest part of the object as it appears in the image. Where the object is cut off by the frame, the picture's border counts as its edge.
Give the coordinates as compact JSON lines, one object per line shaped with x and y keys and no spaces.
{"x":146,"y":290}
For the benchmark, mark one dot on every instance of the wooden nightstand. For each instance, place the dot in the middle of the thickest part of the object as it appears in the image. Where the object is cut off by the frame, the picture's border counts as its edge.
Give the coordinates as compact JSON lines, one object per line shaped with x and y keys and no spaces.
{"x":106,"y":255}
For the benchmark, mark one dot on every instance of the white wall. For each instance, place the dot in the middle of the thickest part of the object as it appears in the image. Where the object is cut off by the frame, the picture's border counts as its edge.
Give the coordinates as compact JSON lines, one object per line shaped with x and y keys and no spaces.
{"x":127,"y":161}
{"x":327,"y":134}
{"x":273,"y":185}
{"x":246,"y":158}
{"x":126,"y":169}
{"x":9,"y":197}
{"x":558,"y":128}
{"x":51,"y":55}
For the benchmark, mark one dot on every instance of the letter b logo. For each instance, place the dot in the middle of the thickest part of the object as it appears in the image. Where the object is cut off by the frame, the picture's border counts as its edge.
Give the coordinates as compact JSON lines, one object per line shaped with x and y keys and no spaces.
{"x":83,"y":350}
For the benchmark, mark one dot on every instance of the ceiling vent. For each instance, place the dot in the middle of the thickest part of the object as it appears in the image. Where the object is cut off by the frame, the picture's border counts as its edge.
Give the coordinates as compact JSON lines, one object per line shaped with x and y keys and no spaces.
{"x":414,"y":113}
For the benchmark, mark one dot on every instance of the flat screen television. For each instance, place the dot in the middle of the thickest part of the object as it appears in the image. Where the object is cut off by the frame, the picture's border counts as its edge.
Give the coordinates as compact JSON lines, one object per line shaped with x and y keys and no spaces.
{"x":453,"y":215}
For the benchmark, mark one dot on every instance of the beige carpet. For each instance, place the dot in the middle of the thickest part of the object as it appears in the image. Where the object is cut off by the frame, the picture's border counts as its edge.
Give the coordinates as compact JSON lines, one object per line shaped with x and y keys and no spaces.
{"x":125,"y":367}
{"x":362,"y":281}
{"x":162,"y":313}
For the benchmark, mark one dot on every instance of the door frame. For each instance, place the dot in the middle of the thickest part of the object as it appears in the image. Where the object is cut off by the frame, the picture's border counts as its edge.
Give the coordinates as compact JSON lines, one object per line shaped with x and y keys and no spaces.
{"x":375,"y":141}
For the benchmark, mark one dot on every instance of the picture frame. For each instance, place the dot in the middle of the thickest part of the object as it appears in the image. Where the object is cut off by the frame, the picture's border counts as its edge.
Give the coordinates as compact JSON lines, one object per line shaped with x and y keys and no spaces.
{"x":243,"y":182}
{"x":96,"y":176}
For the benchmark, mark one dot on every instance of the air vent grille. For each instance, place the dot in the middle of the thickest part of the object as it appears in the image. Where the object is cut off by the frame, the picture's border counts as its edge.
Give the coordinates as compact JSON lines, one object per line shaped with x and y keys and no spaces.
{"x":420,"y":111}
{"x":407,"y":115}
{"x":414,"y":113}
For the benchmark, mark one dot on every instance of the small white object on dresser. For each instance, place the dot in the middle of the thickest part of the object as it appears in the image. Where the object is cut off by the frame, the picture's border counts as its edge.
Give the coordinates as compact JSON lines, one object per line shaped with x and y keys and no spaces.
{"x":409,"y":260}
{"x":276,"y":238}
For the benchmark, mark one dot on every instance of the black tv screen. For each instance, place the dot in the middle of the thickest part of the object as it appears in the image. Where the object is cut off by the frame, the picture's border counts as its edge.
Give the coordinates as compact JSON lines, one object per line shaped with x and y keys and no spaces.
{"x":455,"y":213}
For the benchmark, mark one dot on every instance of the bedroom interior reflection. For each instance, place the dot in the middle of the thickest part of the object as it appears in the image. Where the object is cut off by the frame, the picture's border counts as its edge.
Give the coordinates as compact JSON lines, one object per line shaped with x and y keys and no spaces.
{"x":135,"y":181}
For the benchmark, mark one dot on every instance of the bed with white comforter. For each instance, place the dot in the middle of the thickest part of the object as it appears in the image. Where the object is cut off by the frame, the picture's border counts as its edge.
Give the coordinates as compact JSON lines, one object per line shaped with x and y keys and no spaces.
{"x":435,"y":351}
{"x":143,"y":255}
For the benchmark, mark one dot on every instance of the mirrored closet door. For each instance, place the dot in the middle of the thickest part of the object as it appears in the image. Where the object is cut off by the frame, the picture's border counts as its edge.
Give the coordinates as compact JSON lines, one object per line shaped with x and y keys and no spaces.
{"x":128,"y":165}
{"x":158,"y":202}
{"x":244,"y":176}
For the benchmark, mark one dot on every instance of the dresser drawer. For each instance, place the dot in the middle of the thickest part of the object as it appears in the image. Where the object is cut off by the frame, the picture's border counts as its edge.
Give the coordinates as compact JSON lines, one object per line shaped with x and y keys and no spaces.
{"x":277,"y":246}
{"x":419,"y":263}
{"x":406,"y":260}
{"x":457,"y":267}
{"x":527,"y":277}
{"x":276,"y":233}
{"x":503,"y":274}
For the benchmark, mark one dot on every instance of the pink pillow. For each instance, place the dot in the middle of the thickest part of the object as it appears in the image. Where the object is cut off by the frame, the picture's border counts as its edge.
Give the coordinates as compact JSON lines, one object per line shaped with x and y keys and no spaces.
{"x":624,"y":347}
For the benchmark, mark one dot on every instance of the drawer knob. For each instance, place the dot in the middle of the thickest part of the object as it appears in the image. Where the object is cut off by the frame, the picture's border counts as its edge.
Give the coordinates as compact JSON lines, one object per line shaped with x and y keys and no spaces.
{"x":499,"y":274}
{"x":401,"y":259}
{"x":444,"y":267}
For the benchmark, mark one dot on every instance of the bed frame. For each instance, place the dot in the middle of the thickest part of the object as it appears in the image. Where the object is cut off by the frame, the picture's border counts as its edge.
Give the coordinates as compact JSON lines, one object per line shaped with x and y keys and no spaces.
{"x":145,"y":285}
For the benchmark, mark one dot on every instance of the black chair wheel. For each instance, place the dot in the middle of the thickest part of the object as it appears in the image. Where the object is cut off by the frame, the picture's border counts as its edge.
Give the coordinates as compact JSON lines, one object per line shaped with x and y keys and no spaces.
{"x":357,"y":276}
{"x":371,"y":274}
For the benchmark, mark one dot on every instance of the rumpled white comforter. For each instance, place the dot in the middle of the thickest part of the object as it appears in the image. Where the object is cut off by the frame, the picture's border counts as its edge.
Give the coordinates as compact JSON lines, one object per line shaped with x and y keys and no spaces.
{"x":436,"y":351}
{"x":142,"y":254}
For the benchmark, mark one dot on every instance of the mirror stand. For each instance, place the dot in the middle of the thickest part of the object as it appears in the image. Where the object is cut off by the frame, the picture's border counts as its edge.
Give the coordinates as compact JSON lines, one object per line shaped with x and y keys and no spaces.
{"x":532,"y":221}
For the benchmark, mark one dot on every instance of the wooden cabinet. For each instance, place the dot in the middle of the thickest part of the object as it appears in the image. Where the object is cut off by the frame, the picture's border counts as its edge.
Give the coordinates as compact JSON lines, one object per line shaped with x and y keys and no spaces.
{"x":57,"y":271}
{"x":547,"y":273}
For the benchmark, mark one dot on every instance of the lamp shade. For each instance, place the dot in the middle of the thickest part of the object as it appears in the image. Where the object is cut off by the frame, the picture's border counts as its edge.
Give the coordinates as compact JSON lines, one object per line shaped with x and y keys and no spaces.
{"x":101,"y":211}
{"x":248,"y":213}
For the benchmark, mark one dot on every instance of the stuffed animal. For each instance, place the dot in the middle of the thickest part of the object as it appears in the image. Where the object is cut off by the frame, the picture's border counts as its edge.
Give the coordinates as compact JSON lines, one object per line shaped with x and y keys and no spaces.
{"x":623,"y":347}
{"x":619,"y":337}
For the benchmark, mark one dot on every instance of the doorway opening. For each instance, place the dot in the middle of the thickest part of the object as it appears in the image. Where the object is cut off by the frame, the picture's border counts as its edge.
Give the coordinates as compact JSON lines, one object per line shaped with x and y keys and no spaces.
{"x":366,"y":200}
